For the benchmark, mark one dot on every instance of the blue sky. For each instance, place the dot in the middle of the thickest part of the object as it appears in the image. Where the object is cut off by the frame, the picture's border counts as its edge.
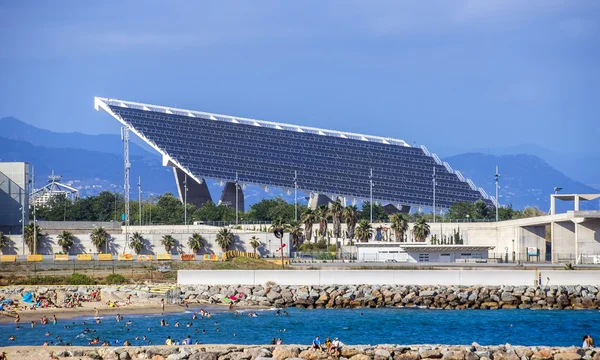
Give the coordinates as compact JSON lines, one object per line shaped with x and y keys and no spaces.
{"x":447,"y":74}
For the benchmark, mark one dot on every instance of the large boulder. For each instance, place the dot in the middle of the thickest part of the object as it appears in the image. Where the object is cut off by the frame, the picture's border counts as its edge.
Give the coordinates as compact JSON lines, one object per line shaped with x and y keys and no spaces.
{"x":382,"y":354}
{"x":503,"y":355}
{"x":567,"y":356}
{"x":282,"y":353}
{"x":543,"y":354}
{"x":204,"y":356}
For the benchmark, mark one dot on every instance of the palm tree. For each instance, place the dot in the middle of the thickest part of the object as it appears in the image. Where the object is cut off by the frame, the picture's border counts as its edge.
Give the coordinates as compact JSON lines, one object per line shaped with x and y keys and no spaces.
{"x":351,"y":217}
{"x":277,"y":228}
{"x":4,"y":241}
{"x":295,"y":231}
{"x":399,"y":225}
{"x":99,"y":238}
{"x":421,"y":230}
{"x":322,"y":214}
{"x":336,"y":209}
{"x":255,"y":243}
{"x":66,"y":240}
{"x":196,"y":242}
{"x":29,"y":232}
{"x":168,"y":241}
{"x":308,"y":218}
{"x":364,"y":231}
{"x":225,"y":239}
{"x":137,"y":242}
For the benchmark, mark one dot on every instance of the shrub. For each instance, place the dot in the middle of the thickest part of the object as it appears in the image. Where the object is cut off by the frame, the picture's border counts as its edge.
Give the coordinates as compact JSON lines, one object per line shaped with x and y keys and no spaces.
{"x":80,"y":279}
{"x":321,"y":244}
{"x":306,"y":247}
{"x":332,"y":248}
{"x":115,"y":279}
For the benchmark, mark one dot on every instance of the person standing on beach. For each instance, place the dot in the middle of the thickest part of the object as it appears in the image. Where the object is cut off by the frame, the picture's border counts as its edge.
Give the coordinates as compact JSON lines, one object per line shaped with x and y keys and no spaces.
{"x":162,"y":306}
{"x":17,"y":319}
{"x":95,"y":312}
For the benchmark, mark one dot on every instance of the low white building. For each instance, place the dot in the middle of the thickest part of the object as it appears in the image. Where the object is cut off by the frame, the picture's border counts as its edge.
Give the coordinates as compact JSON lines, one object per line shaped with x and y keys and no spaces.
{"x":421,"y":252}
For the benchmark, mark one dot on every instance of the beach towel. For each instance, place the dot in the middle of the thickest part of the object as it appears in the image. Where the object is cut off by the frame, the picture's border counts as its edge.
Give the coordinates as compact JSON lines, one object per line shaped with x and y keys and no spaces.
{"x":28,"y":297}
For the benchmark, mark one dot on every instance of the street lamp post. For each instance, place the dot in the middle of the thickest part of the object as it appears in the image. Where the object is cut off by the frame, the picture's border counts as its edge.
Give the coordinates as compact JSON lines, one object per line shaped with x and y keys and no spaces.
{"x":497,"y":178}
{"x":513,"y":250}
{"x":185,"y":199}
{"x":34,"y":221}
{"x":371,"y":192}
{"x":236,"y":198}
{"x":433,"y":180}
{"x":295,"y":196}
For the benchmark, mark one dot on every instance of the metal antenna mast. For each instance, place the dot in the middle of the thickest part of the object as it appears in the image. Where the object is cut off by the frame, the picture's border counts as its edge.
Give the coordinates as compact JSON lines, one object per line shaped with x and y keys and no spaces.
{"x":127,"y":166}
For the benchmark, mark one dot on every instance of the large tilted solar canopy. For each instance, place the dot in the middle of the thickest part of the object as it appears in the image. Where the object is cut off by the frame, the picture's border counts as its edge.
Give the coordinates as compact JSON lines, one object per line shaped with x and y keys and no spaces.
{"x":333,"y":163}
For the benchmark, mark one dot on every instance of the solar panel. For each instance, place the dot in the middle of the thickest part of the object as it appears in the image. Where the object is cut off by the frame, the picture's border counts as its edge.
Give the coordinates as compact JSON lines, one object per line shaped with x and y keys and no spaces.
{"x":326,"y":161}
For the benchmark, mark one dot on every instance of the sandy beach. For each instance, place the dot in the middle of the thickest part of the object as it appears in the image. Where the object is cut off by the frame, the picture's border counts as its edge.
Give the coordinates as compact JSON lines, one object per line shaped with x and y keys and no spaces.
{"x":69,"y":313}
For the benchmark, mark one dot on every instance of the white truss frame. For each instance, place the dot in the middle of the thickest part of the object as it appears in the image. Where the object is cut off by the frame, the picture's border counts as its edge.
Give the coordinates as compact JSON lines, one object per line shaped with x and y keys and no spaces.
{"x":104,"y":102}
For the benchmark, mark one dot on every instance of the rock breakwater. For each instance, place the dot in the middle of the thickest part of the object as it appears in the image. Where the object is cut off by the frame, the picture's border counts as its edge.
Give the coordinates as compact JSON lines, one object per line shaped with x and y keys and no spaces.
{"x":437,"y":297}
{"x":355,"y":296}
{"x":281,"y":352}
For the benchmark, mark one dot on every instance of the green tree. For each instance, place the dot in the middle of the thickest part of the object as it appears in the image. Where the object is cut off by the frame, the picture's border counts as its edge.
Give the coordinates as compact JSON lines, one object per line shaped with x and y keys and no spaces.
{"x":137,"y":242}
{"x":364,"y":231}
{"x":99,"y":238}
{"x":33,"y":233}
{"x":254,"y":243}
{"x":379,"y":213}
{"x":272,"y":209}
{"x":295,"y":231}
{"x":336,"y":210}
{"x":481,"y":210}
{"x":168,"y":242}
{"x":225,"y":239}
{"x":169,"y":210}
{"x":66,"y":240}
{"x":505,"y":212}
{"x":308,"y":219}
{"x":460,"y":210}
{"x":351,"y":216}
{"x":421,"y":230}
{"x":399,"y":225}
{"x":196,"y":243}
{"x":4,"y":241}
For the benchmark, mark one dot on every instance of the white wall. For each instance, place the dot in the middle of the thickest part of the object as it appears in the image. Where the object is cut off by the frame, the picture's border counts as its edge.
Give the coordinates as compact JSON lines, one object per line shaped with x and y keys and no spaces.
{"x":386,"y":277}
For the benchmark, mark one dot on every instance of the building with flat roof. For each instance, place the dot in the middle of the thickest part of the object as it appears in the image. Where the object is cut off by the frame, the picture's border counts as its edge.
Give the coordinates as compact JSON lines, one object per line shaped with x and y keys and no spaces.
{"x":14,"y":196}
{"x":235,"y":150}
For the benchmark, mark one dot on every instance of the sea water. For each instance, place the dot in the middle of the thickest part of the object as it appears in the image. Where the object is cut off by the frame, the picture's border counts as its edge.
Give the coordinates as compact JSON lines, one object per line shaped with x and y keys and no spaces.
{"x":300,"y":326}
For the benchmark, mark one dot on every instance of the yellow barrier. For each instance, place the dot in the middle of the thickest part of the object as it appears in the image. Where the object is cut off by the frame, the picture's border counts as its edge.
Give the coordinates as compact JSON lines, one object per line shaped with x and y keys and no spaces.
{"x":36,"y":257}
{"x":144,"y":257}
{"x":164,"y":257}
{"x":211,"y":257}
{"x":278,"y":261}
{"x":105,"y":257}
{"x":236,"y":253}
{"x":125,"y":257}
{"x":84,"y":257}
{"x":188,"y":257}
{"x":61,"y":257}
{"x":8,"y":258}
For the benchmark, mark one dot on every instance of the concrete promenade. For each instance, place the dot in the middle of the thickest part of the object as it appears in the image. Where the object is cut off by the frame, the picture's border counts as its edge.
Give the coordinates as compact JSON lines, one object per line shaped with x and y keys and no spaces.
{"x":389,"y":277}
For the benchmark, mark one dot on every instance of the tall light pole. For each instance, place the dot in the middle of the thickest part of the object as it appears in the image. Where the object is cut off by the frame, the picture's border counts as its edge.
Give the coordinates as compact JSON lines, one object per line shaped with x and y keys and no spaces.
{"x":295,"y":195}
{"x":236,"y":198}
{"x":34,"y":221}
{"x":433,"y":180}
{"x":140,"y":198}
{"x":185,"y":199}
{"x":497,"y":178}
{"x":371,"y":191}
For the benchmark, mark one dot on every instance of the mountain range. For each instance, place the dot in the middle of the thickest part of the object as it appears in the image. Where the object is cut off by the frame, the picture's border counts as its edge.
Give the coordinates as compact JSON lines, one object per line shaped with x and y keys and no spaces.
{"x":93,"y":163}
